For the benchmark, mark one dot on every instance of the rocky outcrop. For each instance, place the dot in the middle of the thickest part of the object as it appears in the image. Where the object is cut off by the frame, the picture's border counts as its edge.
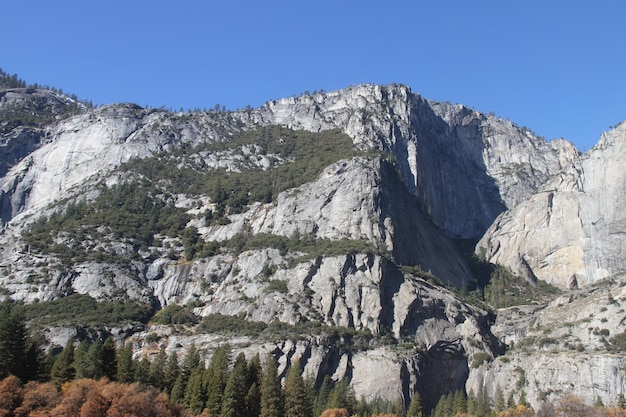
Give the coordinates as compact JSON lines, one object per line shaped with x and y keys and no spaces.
{"x":570,"y":232}
{"x":466,"y":167}
{"x":426,"y":173}
{"x":362,"y":292}
{"x":566,"y":347}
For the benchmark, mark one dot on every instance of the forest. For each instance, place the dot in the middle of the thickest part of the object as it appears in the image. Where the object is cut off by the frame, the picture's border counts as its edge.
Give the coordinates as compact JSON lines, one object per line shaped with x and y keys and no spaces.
{"x":104,"y":378}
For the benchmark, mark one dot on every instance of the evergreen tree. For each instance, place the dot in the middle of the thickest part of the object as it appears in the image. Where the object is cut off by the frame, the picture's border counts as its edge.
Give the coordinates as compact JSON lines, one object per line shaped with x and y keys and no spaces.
{"x":195,"y":392}
{"x":13,"y":343}
{"x":172,"y":372}
{"x":511,"y":401}
{"x":81,"y":360}
{"x":190,"y":362}
{"x":296,"y":398}
{"x":216,"y":378}
{"x":156,"y":373}
{"x":109,"y":359}
{"x":177,"y":394}
{"x":96,"y":360}
{"x":240,"y":378}
{"x":271,"y":393}
{"x":125,"y":364}
{"x":483,"y":406}
{"x":63,"y":370}
{"x":142,"y":371}
{"x":499,"y":404}
{"x":472,"y":403}
{"x":415,"y":408}
{"x":342,"y":396}
{"x":229,"y":400}
{"x":460,"y":402}
{"x":321,"y":400}
{"x":253,"y":401}
{"x":253,"y":396}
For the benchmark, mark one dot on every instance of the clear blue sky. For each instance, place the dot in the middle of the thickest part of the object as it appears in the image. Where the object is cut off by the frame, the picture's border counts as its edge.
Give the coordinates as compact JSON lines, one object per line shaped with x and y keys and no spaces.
{"x":557,"y":67}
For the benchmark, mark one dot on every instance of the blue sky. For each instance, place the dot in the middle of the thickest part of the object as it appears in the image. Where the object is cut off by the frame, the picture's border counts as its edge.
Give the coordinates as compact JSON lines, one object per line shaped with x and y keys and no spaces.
{"x":556,"y":67}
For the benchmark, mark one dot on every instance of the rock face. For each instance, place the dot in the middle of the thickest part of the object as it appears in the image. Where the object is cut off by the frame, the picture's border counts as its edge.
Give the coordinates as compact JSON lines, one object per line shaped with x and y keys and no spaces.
{"x":382,"y":222}
{"x":568,"y":347}
{"x":570,"y":232}
{"x":466,"y":167}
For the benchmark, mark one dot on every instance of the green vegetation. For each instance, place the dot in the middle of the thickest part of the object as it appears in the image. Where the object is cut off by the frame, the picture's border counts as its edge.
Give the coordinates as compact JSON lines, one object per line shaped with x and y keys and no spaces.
{"x":497,"y":286}
{"x":129,"y":212}
{"x":83,"y":310}
{"x":296,"y":157}
{"x":139,"y":211}
{"x":176,"y":314}
{"x":34,"y":110}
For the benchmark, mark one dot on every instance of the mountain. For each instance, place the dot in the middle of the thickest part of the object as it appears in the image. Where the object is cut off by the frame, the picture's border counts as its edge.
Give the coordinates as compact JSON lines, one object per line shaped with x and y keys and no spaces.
{"x":570,"y":233}
{"x":335,"y":228}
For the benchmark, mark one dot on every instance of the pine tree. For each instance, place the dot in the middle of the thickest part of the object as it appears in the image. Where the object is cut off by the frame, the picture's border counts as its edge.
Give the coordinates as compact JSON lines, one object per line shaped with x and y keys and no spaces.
{"x":156,"y":373}
{"x":109,"y":359}
{"x":415,"y":408}
{"x":460,"y":402}
{"x":240,"y":378}
{"x":172,"y":372}
{"x":63,"y":370}
{"x":229,"y":400}
{"x":13,"y":342}
{"x":271,"y":393}
{"x":472,"y":403}
{"x":215,"y":380}
{"x":321,"y":400}
{"x":253,"y":396}
{"x":342,"y":396}
{"x":142,"y":371}
{"x":177,"y":394}
{"x":483,"y":406}
{"x":296,"y":398}
{"x":125,"y":364}
{"x":195,"y":392}
{"x":81,"y":360}
{"x":96,"y":360}
{"x":499,"y":403}
{"x":253,"y":401}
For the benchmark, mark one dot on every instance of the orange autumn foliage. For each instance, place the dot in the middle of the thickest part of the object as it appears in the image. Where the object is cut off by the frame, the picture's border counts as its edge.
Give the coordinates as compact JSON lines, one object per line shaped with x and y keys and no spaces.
{"x":335,"y":412}
{"x":84,"y":398}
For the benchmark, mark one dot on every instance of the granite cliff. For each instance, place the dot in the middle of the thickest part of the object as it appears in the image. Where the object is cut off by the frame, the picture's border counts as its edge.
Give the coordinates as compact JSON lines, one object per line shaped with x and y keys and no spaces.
{"x":350,"y":210}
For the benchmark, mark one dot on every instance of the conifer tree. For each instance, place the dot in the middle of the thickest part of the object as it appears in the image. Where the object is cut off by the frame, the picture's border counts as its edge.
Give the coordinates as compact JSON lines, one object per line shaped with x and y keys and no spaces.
{"x":96,"y":360}
{"x":271,"y":393}
{"x":109,"y":359}
{"x":499,"y":404}
{"x":459,"y":403}
{"x":156,"y":373}
{"x":415,"y":407}
{"x":177,"y":394}
{"x":13,"y":342}
{"x":229,"y":400}
{"x":125,"y":364}
{"x":296,"y":398}
{"x":63,"y":370}
{"x":253,"y":401}
{"x":172,"y":372}
{"x":472,"y":403}
{"x":81,"y":360}
{"x":322,"y":397}
{"x":142,"y":371}
{"x":216,"y":378}
{"x":195,"y":392}
{"x":240,"y":378}
{"x":342,"y":396}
